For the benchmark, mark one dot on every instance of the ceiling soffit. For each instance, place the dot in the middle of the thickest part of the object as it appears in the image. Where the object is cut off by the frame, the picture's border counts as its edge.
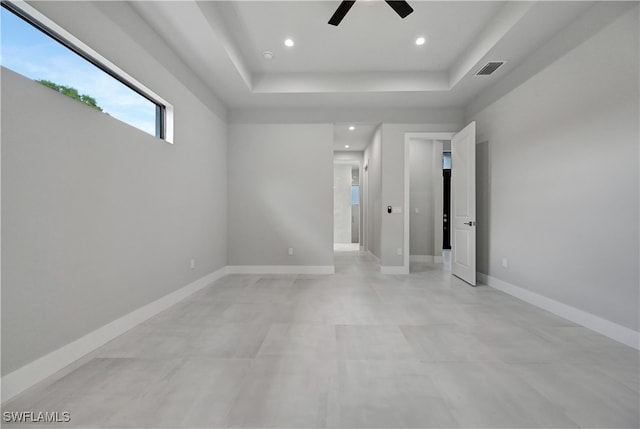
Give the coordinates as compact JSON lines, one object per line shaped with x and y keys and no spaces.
{"x":218,"y":47}
{"x":225,"y":19}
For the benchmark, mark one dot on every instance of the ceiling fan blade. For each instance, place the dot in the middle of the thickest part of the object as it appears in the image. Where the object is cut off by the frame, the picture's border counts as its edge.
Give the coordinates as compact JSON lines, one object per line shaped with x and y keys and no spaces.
{"x":341,"y":12}
{"x":401,"y":7}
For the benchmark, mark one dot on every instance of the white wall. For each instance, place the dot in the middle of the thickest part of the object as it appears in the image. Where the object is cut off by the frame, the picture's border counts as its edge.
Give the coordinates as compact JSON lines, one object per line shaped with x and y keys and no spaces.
{"x":280,"y":194}
{"x":342,"y":203}
{"x":560,"y":172}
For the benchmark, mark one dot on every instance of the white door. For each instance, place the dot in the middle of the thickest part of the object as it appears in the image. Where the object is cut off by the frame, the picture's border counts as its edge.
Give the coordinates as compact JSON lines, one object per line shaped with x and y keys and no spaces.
{"x":463,"y":189}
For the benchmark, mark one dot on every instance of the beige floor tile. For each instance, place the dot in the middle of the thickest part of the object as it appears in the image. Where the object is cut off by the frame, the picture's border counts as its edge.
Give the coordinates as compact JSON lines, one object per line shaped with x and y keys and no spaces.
{"x":356,"y":349}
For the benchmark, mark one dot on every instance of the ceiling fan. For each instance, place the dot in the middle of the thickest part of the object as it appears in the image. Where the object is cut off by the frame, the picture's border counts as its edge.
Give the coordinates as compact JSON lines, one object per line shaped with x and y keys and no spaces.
{"x":401,"y":7}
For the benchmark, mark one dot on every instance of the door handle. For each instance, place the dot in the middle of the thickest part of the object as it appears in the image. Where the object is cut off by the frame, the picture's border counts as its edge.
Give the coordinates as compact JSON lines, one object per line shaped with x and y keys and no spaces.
{"x":470,"y":223}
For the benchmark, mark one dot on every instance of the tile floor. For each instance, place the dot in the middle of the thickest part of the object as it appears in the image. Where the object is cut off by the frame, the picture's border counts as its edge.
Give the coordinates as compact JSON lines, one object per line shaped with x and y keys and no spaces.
{"x":351,"y":350}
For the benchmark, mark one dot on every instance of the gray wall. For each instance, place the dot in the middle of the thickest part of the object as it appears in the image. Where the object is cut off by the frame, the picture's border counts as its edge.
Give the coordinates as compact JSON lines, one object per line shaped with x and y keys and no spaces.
{"x":372,"y":193}
{"x":559,"y":172}
{"x":483,"y":207}
{"x":421,"y":198}
{"x":438,"y":195}
{"x":99,"y":218}
{"x":280,"y":194}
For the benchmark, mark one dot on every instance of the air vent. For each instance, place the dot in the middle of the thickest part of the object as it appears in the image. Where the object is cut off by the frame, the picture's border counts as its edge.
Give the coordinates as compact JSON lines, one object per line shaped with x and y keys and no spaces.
{"x":489,"y":68}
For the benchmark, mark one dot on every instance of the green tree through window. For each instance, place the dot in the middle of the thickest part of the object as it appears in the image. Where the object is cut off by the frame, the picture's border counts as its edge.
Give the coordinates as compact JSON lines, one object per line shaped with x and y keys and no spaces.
{"x":29,"y":48}
{"x":71,"y":92}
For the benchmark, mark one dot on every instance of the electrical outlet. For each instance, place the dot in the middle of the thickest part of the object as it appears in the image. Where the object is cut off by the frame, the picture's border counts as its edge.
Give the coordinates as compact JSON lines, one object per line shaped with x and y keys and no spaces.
{"x":290,"y":251}
{"x":504,"y":262}
{"x":193,"y":264}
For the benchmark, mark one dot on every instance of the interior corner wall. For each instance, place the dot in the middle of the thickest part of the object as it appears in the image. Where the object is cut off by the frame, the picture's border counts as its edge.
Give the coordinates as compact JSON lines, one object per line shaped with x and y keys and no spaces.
{"x":558,"y":177}
{"x":372,"y":193}
{"x":280,"y":194}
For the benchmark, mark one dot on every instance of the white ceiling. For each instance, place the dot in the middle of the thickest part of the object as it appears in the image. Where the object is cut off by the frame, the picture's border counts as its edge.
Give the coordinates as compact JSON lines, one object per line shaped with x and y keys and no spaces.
{"x":357,"y":139}
{"x":370,"y":38}
{"x":369,"y":61}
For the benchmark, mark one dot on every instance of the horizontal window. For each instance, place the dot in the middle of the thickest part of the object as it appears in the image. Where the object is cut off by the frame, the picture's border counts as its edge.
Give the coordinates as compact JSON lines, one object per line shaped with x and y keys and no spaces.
{"x":44,"y":52}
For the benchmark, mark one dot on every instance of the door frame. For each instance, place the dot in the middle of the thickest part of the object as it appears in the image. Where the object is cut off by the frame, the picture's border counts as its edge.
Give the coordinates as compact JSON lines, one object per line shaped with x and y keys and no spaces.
{"x":407,"y":178}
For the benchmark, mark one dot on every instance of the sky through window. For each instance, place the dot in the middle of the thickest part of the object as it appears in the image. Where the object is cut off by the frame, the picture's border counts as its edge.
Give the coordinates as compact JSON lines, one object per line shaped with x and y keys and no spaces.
{"x":32,"y":53}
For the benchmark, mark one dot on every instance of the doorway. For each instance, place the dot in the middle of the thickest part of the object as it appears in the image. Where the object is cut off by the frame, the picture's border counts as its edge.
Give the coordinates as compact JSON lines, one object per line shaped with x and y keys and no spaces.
{"x":424,"y":198}
{"x":446,"y":206}
{"x":463,"y":211}
{"x":346,"y":206}
{"x":428,"y":202}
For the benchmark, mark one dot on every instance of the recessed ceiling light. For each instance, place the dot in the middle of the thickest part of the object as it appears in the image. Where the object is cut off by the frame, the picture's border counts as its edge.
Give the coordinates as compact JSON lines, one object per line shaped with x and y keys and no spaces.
{"x":289,"y":43}
{"x":351,"y":128}
{"x":420,"y":41}
{"x":268,"y":55}
{"x":346,"y":146}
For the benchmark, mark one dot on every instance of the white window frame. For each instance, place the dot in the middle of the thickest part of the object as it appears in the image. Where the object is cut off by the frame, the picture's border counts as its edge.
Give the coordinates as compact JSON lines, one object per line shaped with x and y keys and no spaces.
{"x":89,"y":54}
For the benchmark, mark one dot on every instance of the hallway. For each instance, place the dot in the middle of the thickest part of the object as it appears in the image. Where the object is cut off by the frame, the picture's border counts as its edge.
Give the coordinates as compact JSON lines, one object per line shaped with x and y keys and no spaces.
{"x":356,"y":350}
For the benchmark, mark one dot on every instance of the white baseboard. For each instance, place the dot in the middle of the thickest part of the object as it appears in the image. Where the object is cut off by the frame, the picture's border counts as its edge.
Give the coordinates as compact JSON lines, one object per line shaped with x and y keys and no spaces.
{"x":426,"y":259}
{"x":281,"y":269}
{"x":21,"y":379}
{"x":394,"y":270}
{"x":374,"y":256}
{"x":596,"y":323}
{"x":421,"y":258}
